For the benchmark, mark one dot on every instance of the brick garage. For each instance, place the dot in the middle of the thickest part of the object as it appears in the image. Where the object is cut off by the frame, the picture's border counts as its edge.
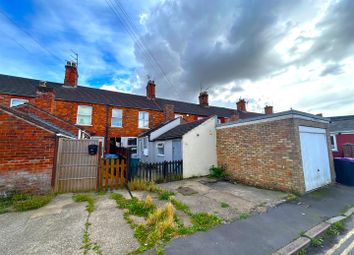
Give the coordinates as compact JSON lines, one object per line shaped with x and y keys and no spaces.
{"x":266,"y":151}
{"x":27,"y":152}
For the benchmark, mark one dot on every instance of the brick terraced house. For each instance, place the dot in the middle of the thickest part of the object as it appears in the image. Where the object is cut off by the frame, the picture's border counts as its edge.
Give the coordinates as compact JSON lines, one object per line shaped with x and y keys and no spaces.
{"x":115,"y":118}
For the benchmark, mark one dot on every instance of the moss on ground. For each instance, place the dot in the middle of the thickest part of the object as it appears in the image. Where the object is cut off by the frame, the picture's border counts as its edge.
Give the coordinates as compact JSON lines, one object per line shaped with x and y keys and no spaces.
{"x":24,"y":202}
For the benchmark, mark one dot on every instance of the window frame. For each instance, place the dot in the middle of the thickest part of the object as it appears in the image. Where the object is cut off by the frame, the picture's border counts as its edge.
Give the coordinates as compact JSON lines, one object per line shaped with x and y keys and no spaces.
{"x":334,"y":145}
{"x":78,"y":114}
{"x":144,"y":121}
{"x":160,"y":145}
{"x":117,"y":117}
{"x":18,"y":99}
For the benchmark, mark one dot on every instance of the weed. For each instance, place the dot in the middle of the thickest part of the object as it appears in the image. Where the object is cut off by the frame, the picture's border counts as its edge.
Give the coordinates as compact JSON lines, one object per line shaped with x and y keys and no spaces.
{"x":315,"y":242}
{"x":301,"y":252}
{"x":137,"y":184}
{"x":224,"y":205}
{"x":181,"y":206}
{"x":217,"y":172}
{"x":134,"y":205}
{"x":291,"y":197}
{"x":335,"y":229}
{"x":244,"y":216}
{"x":90,"y":207}
{"x":32,"y":202}
{"x":203,"y":221}
{"x":165,"y":195}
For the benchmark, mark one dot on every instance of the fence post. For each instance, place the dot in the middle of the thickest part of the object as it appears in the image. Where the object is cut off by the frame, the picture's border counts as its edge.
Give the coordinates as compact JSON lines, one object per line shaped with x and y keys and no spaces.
{"x":164,"y":170}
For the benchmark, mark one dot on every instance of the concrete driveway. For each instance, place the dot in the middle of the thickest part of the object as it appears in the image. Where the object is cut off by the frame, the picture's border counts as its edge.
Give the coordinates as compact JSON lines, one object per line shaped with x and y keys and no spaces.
{"x":225,"y":199}
{"x":58,"y":228}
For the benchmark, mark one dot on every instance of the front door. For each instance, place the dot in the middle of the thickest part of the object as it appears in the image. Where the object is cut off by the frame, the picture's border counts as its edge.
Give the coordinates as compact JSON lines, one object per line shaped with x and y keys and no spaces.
{"x":315,"y":157}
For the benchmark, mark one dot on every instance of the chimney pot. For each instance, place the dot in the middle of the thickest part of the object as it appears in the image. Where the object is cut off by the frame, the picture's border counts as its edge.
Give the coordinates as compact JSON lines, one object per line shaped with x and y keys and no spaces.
{"x":204,"y":99}
{"x":150,"y":90}
{"x":241,"y":105}
{"x":268,"y":109}
{"x":71,"y":74}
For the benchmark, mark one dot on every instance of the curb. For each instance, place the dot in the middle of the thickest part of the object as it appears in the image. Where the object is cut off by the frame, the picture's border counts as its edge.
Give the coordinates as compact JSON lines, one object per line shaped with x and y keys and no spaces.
{"x":302,"y":242}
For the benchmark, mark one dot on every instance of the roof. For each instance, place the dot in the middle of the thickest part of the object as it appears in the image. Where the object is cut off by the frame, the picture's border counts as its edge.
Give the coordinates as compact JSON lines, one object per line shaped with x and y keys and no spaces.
{"x":37,"y":121}
{"x":180,"y":130}
{"x":274,"y":116}
{"x":155,"y":128}
{"x":342,"y":123}
{"x":19,"y":86}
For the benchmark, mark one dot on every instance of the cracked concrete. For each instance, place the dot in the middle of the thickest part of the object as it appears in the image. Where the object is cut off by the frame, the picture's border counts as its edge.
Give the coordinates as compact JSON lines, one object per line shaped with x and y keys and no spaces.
{"x":210,"y":194}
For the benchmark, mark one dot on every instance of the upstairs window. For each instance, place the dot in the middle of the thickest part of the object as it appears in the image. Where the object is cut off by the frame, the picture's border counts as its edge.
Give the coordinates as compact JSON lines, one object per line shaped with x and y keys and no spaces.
{"x":143,"y":120}
{"x":17,"y":101}
{"x":160,"y":149}
{"x":84,"y":115}
{"x":117,"y":118}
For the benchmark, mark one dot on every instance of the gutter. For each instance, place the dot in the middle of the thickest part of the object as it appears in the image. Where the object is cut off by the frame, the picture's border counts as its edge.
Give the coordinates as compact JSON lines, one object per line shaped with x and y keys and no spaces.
{"x":66,"y":136}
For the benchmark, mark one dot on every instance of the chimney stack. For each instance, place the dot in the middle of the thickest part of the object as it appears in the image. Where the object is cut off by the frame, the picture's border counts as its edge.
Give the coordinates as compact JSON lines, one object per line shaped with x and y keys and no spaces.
{"x":45,"y":97}
{"x":235,"y":116}
{"x":71,"y":74}
{"x":150,"y":90}
{"x":268,"y":109}
{"x":241,"y":105}
{"x":169,"y":111}
{"x":204,"y":99}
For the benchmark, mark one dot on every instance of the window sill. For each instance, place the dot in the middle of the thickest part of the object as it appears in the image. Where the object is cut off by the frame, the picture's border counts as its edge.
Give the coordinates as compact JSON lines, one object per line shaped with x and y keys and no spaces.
{"x":116,"y":126}
{"x":161,"y":155}
{"x":83,"y":125}
{"x":144,"y":127}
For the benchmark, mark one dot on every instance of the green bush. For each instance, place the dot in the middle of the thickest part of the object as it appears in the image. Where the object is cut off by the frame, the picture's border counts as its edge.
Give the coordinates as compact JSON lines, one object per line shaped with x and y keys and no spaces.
{"x":217,"y":172}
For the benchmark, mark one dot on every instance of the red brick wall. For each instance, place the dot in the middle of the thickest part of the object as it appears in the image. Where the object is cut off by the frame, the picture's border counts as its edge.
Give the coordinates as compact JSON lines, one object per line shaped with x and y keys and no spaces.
{"x":265,"y":154}
{"x":26,"y":155}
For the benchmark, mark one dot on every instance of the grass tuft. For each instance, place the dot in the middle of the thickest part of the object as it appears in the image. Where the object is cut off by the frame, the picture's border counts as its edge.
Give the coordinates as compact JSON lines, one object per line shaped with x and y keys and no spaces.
{"x":217,"y":172}
{"x":81,"y":197}
{"x":137,"y":184}
{"x":244,"y":216}
{"x":166,"y":195}
{"x":24,"y":202}
{"x":224,"y":205}
{"x":203,"y":221}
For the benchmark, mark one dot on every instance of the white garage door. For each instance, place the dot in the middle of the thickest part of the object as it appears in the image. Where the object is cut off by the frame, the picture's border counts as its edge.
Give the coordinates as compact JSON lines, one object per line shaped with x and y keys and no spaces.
{"x":315,"y":161}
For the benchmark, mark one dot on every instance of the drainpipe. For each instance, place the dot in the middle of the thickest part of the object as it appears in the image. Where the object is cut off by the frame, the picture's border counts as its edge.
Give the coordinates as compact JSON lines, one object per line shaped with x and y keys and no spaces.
{"x":107,"y":129}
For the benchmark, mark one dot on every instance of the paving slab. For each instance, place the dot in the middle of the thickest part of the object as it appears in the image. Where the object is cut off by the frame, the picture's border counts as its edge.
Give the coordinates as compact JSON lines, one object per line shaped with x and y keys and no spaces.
{"x":109,"y":229}
{"x":56,"y":228}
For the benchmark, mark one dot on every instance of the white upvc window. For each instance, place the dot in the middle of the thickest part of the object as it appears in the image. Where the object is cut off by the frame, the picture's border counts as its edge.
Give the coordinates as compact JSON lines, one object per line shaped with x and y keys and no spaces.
{"x":84,"y":115}
{"x":334,"y":143}
{"x":143,"y":120}
{"x":117,"y":118}
{"x":160,"y":149}
{"x":17,"y":101}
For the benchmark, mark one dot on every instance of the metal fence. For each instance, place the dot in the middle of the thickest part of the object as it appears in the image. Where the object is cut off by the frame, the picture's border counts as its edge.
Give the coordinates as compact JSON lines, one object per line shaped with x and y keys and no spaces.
{"x":158,"y":172}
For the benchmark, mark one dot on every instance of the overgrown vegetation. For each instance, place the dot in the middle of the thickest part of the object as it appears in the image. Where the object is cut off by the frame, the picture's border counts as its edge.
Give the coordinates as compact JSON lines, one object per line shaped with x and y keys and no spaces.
{"x":316,"y":242}
{"x":137,"y":184}
{"x":23,"y":202}
{"x":87,"y":244}
{"x":335,"y":229}
{"x":217,"y":172}
{"x":161,"y":224}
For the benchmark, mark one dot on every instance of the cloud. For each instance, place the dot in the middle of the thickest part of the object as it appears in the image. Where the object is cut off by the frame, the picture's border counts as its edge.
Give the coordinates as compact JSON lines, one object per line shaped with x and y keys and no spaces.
{"x":266,"y":51}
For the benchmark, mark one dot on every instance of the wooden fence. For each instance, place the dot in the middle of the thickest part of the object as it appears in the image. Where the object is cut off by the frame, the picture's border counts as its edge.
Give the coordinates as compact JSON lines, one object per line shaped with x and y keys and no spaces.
{"x":113,"y":173}
{"x":158,"y":172}
{"x":348,"y":150}
{"x":76,"y":169}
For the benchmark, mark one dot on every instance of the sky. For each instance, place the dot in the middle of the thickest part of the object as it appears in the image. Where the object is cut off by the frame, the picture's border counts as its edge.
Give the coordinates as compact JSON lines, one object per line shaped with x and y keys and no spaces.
{"x":289,"y":54}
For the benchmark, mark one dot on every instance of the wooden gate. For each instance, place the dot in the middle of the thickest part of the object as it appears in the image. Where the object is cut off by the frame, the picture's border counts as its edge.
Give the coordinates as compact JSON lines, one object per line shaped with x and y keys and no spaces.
{"x":113,"y":173}
{"x":76,"y":169}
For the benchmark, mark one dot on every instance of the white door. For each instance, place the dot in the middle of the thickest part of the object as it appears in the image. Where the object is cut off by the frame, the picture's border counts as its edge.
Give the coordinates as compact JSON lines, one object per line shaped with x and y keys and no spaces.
{"x":315,"y":158}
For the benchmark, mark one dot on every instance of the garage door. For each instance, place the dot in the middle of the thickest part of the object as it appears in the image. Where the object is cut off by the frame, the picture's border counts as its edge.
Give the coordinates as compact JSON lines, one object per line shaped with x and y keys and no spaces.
{"x":315,"y":158}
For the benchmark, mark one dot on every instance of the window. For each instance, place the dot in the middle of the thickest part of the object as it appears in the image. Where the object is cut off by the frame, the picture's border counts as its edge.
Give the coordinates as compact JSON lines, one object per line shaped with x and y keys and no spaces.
{"x":84,"y":115}
{"x":17,"y":101}
{"x":131,"y":142}
{"x":143,"y":120}
{"x":178,"y":115}
{"x":117,"y":118}
{"x":334,"y":143}
{"x":160,"y":149}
